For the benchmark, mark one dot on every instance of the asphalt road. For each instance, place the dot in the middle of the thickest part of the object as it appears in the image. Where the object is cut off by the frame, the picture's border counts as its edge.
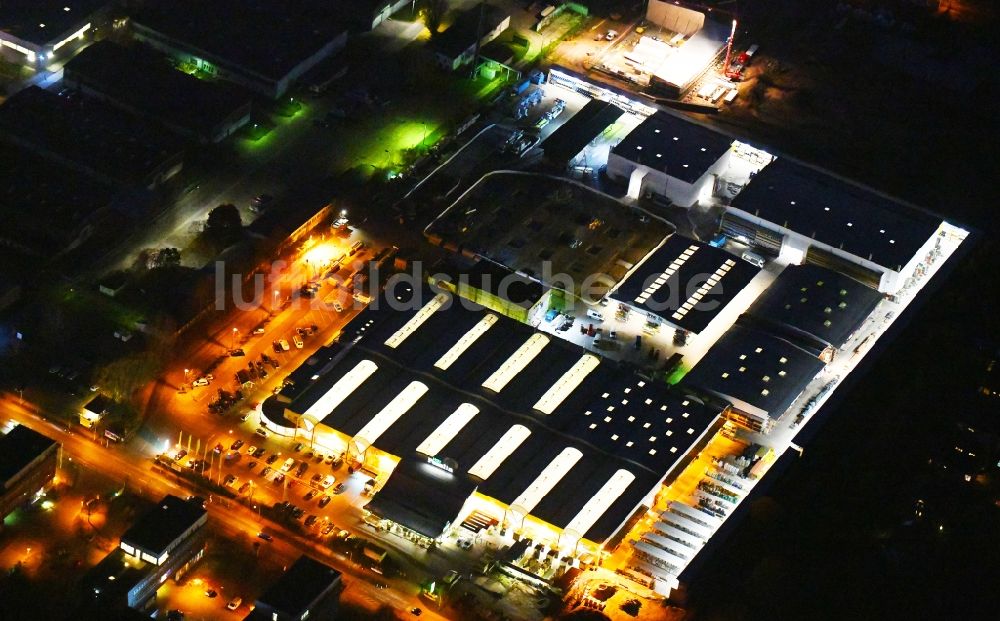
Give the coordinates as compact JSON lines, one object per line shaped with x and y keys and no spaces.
{"x":141,"y":477}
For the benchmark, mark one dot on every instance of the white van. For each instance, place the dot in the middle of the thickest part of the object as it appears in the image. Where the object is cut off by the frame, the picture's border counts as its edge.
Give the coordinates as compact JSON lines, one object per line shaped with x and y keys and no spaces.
{"x":289,"y":463}
{"x":753,"y":258}
{"x":328,"y":481}
{"x":234,"y":603}
{"x":595,"y":315}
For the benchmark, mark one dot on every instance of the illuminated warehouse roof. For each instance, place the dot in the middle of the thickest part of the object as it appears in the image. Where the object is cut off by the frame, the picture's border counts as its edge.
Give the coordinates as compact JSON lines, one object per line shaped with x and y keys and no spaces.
{"x":755,"y":371}
{"x":812,"y":301}
{"x":685,"y":282}
{"x":837,"y":213}
{"x":529,"y":419}
{"x":678,"y":147}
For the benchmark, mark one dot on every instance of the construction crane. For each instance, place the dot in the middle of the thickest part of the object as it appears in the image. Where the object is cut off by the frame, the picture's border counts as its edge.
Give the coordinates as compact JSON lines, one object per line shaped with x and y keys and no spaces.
{"x":733,"y":73}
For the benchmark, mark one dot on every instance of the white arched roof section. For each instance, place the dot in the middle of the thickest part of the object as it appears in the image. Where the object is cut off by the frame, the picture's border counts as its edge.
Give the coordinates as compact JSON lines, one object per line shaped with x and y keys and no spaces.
{"x":566,"y":384}
{"x":516,"y":362}
{"x":416,"y":321}
{"x":500,"y":451}
{"x":388,"y":415}
{"x":612,"y":489}
{"x":544,"y":482}
{"x":447,"y":430}
{"x":341,"y":390}
{"x":466,"y":341}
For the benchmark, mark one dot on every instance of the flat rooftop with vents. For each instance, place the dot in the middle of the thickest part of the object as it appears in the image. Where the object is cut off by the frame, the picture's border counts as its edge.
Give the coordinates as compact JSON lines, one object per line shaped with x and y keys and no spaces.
{"x":142,"y":81}
{"x":542,"y":226}
{"x":685,"y":282}
{"x":44,"y":205}
{"x":680,"y":148}
{"x":264,"y":44}
{"x":756,"y":372}
{"x":93,"y":137}
{"x":836,"y":213}
{"x":307,"y":588}
{"x":19,"y":448}
{"x":815,"y":305}
{"x":36,"y":31}
{"x":162,"y":528}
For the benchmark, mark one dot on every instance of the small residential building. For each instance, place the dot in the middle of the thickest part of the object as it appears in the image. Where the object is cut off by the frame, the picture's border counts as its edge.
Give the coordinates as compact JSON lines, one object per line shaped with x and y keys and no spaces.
{"x":162,"y":544}
{"x":28,"y":462}
{"x":35,"y":33}
{"x":264,"y":45}
{"x":472,"y":29}
{"x":95,"y":410}
{"x":142,"y":82}
{"x":308,"y":589}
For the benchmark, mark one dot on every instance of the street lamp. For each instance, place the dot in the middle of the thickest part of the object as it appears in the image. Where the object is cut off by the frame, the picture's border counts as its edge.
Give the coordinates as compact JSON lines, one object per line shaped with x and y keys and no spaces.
{"x":235,"y":332}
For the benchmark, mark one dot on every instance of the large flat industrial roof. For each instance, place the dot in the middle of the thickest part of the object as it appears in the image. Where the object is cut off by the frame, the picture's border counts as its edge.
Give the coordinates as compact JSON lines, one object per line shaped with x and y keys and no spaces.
{"x":266,"y":37}
{"x":44,"y":204}
{"x":142,"y":79}
{"x":300,"y":586}
{"x":677,"y":147}
{"x":159,"y":527}
{"x":837,"y":213}
{"x":90,"y":134}
{"x":505,"y":402}
{"x":685,"y":282}
{"x":545,"y":227}
{"x":751,"y":367}
{"x":461,"y":34}
{"x":18,"y":448}
{"x":41,"y":21}
{"x":816,"y":301}
{"x":583,"y":127}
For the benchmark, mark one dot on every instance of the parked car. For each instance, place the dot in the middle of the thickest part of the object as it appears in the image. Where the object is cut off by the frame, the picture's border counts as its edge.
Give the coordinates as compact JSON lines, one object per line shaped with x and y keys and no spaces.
{"x":283,"y":344}
{"x":324,"y":501}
